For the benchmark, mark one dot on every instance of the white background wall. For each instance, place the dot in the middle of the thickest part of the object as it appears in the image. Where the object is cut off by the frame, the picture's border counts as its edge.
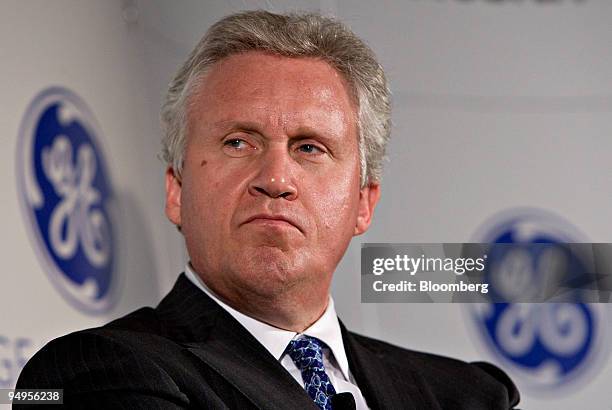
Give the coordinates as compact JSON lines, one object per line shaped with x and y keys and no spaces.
{"x":497,"y":105}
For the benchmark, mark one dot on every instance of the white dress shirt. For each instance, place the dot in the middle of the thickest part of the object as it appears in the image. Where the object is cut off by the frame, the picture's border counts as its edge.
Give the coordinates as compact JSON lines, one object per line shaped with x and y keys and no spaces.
{"x":275,"y":340}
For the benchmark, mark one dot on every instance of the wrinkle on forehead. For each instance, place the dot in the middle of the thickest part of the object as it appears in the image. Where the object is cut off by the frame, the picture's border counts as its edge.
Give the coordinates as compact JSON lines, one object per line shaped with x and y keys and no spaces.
{"x":333,"y":123}
{"x":239,"y":88}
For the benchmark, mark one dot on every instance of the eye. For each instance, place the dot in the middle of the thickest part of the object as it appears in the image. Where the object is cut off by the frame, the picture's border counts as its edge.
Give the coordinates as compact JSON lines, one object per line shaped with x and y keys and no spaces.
{"x":235,"y":143}
{"x":237,"y":147}
{"x":310,"y":149}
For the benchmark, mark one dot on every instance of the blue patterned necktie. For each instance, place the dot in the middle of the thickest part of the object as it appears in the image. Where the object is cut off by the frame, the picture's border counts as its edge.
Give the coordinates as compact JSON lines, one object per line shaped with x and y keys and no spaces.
{"x":307,"y":355}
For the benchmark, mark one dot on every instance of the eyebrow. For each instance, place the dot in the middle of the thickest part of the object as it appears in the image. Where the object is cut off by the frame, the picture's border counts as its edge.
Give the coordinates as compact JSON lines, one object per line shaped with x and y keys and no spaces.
{"x":233,"y":124}
{"x":301,"y":132}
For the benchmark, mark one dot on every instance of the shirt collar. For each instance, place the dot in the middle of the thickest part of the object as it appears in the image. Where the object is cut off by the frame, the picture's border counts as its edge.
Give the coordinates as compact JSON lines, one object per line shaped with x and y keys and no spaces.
{"x":275,"y":340}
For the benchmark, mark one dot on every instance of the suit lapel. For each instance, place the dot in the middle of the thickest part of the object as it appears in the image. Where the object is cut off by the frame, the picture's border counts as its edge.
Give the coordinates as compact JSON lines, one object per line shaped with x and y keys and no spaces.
{"x":209,"y":332}
{"x":205,"y":329}
{"x":381,"y":383}
{"x":253,"y":371}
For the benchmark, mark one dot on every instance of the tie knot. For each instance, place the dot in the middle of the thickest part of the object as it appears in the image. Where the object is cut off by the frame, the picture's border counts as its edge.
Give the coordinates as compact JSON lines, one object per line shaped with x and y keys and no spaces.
{"x":307,"y":353}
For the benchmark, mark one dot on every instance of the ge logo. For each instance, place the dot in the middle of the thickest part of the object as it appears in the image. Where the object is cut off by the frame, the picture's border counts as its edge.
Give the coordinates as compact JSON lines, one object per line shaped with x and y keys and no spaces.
{"x":546,"y":345}
{"x":563,"y":329}
{"x":75,"y":220}
{"x":67,"y":198}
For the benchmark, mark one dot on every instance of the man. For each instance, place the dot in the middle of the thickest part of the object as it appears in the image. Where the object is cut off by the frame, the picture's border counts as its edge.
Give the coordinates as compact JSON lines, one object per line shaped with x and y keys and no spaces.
{"x":275,"y":129}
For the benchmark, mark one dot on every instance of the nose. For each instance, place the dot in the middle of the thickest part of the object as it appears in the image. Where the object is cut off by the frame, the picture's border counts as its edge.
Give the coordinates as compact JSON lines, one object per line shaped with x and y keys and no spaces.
{"x":275,"y":178}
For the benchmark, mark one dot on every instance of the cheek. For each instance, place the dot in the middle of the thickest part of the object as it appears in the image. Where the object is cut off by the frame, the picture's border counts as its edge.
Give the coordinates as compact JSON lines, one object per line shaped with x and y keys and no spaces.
{"x":203,"y":199}
{"x":337,"y":206}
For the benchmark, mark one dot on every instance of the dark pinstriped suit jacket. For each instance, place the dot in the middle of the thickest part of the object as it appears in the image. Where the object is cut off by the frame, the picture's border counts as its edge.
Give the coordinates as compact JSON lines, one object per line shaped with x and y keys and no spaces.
{"x":190,"y":353}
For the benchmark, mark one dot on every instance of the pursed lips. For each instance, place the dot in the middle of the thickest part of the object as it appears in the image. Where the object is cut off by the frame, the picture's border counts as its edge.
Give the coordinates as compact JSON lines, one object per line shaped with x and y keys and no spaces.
{"x":281,"y":219}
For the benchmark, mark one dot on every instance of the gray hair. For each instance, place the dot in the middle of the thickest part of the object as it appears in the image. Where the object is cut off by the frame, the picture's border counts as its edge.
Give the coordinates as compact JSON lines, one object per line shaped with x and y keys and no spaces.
{"x":292,"y":35}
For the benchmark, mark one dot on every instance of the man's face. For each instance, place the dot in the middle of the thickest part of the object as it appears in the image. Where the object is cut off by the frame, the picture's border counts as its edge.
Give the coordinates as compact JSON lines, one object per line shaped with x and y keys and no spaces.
{"x":269,"y":196}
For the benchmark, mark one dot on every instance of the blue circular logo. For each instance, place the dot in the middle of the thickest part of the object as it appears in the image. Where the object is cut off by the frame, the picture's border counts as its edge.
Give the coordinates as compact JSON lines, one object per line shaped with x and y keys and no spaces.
{"x":547,"y":345}
{"x":66,"y":196}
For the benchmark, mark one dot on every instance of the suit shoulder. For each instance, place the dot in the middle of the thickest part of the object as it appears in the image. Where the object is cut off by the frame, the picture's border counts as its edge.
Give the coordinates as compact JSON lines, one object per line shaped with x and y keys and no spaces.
{"x":128,"y":348}
{"x":393,"y":352}
{"x":141,"y":320}
{"x":444,"y":375}
{"x":426,"y":362}
{"x":133,"y":328}
{"x":104,"y":368}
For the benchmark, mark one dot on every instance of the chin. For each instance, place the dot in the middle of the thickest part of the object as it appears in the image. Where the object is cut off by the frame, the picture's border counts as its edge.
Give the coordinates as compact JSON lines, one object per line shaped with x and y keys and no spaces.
{"x":270,"y":271}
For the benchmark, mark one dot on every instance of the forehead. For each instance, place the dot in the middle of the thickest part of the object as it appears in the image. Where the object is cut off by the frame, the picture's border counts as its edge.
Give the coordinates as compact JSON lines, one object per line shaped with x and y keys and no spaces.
{"x":256,"y":86}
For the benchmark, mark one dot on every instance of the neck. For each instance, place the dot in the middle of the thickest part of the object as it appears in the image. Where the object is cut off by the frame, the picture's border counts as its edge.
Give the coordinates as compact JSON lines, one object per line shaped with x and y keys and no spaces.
{"x":294,"y":309}
{"x":285,"y":313}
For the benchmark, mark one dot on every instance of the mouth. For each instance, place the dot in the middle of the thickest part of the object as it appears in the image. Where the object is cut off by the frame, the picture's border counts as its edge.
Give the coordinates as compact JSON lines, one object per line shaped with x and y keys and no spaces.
{"x":272,"y":221}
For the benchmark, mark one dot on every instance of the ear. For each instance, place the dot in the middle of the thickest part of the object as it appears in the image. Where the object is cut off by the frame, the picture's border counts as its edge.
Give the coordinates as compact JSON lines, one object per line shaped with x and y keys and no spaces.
{"x":368,"y":198}
{"x":173,"y":197}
